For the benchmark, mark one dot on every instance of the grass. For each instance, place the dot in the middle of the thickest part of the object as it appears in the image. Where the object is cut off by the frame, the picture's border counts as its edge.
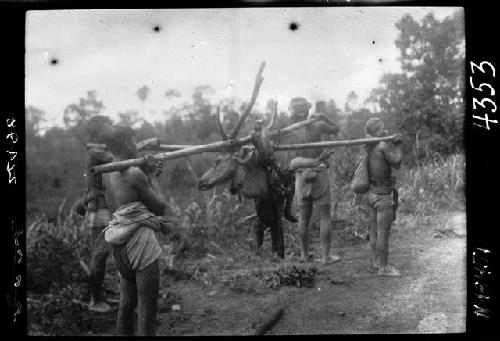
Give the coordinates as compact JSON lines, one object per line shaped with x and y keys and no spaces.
{"x":214,"y":238}
{"x":433,"y":186}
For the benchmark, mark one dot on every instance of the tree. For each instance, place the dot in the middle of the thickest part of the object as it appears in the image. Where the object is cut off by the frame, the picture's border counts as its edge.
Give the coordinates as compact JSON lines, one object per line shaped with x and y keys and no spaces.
{"x":76,"y":116}
{"x":426,"y":101}
{"x":34,"y":116}
{"x":201,"y":113}
{"x":333,"y":110}
{"x":172,"y":93}
{"x":143,"y":93}
{"x":351,"y":103}
{"x":77,"y":113}
{"x":129,"y":118}
{"x":355,"y":123}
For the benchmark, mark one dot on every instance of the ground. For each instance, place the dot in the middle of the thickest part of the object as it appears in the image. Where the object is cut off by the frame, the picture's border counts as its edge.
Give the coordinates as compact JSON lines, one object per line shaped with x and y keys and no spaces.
{"x":429,"y":297}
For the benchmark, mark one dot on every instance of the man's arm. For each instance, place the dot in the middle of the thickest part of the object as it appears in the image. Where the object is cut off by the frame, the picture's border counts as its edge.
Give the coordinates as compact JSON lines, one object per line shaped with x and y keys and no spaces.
{"x":324,"y":124}
{"x":149,"y":191}
{"x":150,"y":143}
{"x":326,"y":128}
{"x":393,"y":154}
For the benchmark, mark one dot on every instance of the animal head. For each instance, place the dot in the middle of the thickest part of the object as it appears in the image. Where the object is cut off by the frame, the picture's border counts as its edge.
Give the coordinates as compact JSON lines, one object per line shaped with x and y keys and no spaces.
{"x":228,"y":167}
{"x":239,"y":167}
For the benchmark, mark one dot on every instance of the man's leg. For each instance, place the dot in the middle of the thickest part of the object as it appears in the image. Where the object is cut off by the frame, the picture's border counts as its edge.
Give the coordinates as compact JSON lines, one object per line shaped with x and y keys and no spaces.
{"x":385,"y":216}
{"x":325,"y":234}
{"x":305,"y":211}
{"x":148,"y":281}
{"x":372,"y":221}
{"x":258,"y":230}
{"x":97,"y":272}
{"x":128,"y":302}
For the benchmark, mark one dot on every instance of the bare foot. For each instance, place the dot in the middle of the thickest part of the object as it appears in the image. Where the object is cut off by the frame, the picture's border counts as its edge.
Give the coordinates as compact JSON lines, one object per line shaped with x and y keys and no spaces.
{"x":330,"y":260}
{"x":100,"y":307}
{"x":388,"y":271}
{"x":304,"y":259}
{"x":373,"y":267}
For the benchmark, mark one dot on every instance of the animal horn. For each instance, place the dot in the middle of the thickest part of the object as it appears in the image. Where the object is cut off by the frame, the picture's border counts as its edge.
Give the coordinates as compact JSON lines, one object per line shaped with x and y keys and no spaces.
{"x":274,"y":116}
{"x":219,"y":124}
{"x":258,"y":81}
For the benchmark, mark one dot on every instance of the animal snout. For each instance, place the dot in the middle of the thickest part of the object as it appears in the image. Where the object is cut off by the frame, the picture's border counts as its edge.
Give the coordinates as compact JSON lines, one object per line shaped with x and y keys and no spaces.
{"x":204,"y":185}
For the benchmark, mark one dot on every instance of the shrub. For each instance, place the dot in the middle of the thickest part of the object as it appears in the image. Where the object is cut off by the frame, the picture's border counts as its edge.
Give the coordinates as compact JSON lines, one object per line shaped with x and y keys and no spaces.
{"x":57,"y":252}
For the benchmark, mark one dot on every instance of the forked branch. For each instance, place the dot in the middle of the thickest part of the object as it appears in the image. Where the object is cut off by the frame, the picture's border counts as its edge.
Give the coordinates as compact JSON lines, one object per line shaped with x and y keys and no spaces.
{"x":219,"y":125}
{"x":258,"y":81}
{"x":274,"y":115}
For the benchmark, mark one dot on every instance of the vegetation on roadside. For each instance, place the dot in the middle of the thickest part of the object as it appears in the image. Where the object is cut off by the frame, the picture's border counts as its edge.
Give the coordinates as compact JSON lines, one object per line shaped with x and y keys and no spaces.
{"x":214,"y":235}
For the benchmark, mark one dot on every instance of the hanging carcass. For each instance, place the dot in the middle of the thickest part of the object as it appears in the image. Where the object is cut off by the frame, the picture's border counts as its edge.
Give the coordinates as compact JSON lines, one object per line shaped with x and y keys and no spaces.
{"x":254,"y":173}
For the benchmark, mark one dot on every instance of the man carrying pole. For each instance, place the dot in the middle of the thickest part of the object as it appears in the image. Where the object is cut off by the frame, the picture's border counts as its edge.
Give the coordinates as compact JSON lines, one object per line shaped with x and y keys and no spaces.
{"x":94,"y":207}
{"x":133,"y":194}
{"x":382,"y":196}
{"x":96,"y":212}
{"x":312,"y":183}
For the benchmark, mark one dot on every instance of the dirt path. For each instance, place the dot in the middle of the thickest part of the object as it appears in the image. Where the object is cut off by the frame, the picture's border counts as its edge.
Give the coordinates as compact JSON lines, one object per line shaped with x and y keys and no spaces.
{"x":429,"y":297}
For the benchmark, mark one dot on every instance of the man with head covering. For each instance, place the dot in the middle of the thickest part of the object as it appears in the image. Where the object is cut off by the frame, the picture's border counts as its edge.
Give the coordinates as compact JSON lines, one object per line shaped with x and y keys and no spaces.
{"x":312,"y":182}
{"x":138,"y":206}
{"x":382,"y":195}
{"x":95,"y":209}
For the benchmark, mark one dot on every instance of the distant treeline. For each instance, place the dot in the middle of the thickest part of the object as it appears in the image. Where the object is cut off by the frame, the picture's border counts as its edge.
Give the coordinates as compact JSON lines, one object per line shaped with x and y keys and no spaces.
{"x":425,"y":102}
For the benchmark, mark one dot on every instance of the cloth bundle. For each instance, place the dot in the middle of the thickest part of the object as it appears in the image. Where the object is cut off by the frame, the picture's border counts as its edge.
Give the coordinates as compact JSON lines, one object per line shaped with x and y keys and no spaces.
{"x":127,"y":219}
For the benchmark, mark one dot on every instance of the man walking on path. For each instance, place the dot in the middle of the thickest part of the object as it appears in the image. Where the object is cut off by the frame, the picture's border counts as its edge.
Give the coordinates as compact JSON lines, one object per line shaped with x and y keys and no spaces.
{"x":312,"y":182}
{"x":382,"y":195}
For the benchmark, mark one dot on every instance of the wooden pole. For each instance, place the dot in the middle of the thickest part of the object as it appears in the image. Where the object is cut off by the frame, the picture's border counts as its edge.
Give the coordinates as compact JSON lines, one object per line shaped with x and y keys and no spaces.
{"x":219,"y":146}
{"x":269,"y":323}
{"x":211,"y":147}
{"x":162,"y":147}
{"x":289,"y":129}
{"x":330,"y":144}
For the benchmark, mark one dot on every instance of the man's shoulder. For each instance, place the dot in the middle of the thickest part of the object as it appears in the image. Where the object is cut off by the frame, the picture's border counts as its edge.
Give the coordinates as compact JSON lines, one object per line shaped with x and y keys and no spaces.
{"x":382,"y":145}
{"x":134,"y":171}
{"x":97,"y":156}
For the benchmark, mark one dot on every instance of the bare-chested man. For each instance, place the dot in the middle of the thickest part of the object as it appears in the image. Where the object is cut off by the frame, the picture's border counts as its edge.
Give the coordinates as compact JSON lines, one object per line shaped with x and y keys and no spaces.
{"x":138,"y":205}
{"x":382,"y":196}
{"x":95,"y":209}
{"x":312,"y":184}
{"x":97,"y":215}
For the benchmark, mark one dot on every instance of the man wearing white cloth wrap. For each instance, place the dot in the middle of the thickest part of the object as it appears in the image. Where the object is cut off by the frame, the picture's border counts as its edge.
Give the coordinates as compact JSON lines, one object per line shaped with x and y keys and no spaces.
{"x":138,"y":204}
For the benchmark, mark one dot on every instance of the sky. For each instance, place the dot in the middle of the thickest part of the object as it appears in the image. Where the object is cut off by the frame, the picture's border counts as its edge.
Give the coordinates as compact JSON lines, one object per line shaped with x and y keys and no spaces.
{"x":114,"y":52}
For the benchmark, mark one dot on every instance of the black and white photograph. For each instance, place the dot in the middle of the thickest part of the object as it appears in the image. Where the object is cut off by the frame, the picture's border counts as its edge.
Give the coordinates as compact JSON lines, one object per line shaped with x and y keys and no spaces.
{"x":247,"y":171}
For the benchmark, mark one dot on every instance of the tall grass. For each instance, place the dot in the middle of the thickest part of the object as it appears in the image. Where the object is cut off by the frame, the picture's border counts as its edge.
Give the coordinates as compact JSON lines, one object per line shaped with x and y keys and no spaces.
{"x":435,"y":185}
{"x":58,"y":252}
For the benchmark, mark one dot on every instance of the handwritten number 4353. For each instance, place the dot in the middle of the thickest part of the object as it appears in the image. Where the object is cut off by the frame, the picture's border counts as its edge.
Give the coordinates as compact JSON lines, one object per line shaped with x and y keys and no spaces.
{"x":482,"y":87}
